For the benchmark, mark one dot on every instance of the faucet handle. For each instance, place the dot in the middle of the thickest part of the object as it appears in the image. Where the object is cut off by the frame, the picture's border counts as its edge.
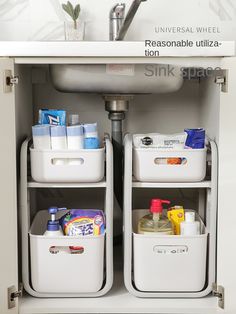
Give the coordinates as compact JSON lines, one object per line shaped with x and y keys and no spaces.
{"x":117,"y":11}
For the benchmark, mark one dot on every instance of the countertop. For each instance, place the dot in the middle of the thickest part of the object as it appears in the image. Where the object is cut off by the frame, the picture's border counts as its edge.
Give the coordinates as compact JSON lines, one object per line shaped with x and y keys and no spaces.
{"x":107,"y":49}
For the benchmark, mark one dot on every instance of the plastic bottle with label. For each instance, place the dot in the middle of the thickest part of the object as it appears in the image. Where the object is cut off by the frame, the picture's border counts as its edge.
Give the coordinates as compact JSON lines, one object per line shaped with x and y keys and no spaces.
{"x":53,"y":226}
{"x":41,"y":136}
{"x":190,"y":227}
{"x":58,"y":137}
{"x":155,"y":222}
{"x":58,"y":142}
{"x":91,"y":140}
{"x":75,"y":137}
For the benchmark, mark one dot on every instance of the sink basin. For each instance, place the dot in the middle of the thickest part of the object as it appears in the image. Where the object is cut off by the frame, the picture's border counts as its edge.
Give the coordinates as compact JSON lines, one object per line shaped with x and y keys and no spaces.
{"x":116,"y":78}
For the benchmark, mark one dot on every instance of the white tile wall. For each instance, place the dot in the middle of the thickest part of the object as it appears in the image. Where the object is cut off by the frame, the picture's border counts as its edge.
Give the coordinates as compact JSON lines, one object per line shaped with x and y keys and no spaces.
{"x":14,"y":10}
{"x":43,"y":19}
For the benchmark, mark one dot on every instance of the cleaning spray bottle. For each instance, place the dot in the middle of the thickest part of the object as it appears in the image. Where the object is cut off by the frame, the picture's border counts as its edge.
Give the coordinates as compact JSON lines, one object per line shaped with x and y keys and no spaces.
{"x":155,"y":222}
{"x":53,"y":226}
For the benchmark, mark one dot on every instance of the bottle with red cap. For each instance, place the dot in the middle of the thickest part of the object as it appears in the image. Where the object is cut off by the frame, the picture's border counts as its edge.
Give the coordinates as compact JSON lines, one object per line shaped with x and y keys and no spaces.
{"x":155,"y":222}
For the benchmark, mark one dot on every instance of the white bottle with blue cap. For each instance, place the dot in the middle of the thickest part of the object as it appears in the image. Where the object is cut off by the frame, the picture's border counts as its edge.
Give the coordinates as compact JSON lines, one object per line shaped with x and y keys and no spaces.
{"x":53,"y":226}
{"x":41,"y":136}
{"x":58,"y":137}
{"x":75,"y":137}
{"x":91,"y":140}
{"x":58,"y":142}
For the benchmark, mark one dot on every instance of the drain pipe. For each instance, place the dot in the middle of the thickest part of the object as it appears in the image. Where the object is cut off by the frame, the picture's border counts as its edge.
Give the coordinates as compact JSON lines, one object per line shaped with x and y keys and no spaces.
{"x":117,"y":105}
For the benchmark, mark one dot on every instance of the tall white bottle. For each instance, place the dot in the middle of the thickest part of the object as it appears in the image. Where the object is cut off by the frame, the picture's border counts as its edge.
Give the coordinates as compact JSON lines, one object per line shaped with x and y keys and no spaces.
{"x":41,"y":136}
{"x":75,"y":137}
{"x":190,"y":227}
{"x":58,"y":137}
{"x":58,"y":142}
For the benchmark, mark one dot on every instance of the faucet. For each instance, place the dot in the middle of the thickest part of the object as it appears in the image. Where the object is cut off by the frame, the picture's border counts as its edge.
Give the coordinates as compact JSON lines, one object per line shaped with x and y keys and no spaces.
{"x":119,"y":25}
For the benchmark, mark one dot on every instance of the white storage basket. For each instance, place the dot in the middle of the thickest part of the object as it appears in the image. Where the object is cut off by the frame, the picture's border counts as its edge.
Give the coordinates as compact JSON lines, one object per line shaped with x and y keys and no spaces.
{"x":85,"y":165}
{"x":147,"y":168}
{"x":171,"y":263}
{"x":64,"y":272}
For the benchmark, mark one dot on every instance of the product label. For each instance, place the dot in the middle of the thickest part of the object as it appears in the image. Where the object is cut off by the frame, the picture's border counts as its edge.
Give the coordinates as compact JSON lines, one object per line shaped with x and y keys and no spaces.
{"x":170,"y":249}
{"x":80,"y":227}
{"x":79,"y":222}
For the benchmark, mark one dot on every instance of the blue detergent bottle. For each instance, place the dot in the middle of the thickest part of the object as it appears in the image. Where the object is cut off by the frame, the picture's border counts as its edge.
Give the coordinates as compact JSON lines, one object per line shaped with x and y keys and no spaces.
{"x":53,"y":225}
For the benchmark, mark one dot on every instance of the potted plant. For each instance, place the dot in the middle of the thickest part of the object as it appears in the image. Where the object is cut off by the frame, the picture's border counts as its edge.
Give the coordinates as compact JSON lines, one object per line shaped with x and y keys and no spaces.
{"x":74,"y":28}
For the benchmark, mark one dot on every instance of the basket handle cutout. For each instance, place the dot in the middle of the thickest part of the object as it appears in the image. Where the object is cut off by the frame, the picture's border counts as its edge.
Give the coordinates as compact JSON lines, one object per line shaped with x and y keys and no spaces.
{"x":66,"y":249}
{"x":67,"y":161}
{"x":170,"y":161}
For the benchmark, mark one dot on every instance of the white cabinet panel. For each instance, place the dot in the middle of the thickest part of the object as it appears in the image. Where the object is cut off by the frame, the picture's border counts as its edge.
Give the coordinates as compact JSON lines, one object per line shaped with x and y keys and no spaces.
{"x":8,"y":229}
{"x":226,"y":259}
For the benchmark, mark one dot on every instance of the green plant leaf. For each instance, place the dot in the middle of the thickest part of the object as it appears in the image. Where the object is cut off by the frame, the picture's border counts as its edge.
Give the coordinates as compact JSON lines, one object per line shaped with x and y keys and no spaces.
{"x":71,"y":11}
{"x":68,"y":8}
{"x":77,"y":12}
{"x":64,"y":6}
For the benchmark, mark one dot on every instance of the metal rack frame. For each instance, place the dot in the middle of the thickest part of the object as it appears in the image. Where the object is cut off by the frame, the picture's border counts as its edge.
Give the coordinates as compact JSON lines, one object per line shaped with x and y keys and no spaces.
{"x":210,"y":212}
{"x":26,"y":185}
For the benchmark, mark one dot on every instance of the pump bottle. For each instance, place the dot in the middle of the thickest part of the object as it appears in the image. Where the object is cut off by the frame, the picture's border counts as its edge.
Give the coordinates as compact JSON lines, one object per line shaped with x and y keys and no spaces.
{"x":155,"y":222}
{"x":53,"y":226}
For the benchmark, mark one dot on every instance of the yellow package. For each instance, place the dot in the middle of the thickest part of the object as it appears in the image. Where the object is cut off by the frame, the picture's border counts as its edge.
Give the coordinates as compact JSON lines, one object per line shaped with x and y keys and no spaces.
{"x":176,"y":215}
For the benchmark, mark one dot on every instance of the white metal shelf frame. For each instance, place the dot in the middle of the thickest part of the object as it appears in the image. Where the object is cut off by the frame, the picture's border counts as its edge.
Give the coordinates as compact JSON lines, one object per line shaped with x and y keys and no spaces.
{"x":39,"y":185}
{"x":173,"y":185}
{"x":25,"y":186}
{"x":210,"y":213}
